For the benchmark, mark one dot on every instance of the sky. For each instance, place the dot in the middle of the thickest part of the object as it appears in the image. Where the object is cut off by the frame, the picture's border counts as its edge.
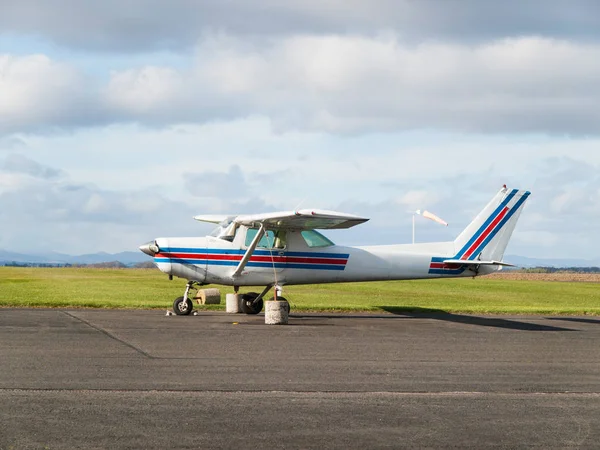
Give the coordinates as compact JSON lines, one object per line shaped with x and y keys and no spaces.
{"x":121,"y":120}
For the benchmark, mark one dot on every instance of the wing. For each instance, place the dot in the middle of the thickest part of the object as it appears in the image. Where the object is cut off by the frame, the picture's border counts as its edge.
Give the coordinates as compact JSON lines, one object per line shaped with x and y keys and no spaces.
{"x":214,"y":218}
{"x":305,"y":219}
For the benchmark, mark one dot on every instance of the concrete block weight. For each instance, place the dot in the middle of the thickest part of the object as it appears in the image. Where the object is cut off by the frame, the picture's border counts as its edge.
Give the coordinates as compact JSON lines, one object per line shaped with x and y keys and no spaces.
{"x":232,"y":303}
{"x":208,"y":297}
{"x":276,"y":312}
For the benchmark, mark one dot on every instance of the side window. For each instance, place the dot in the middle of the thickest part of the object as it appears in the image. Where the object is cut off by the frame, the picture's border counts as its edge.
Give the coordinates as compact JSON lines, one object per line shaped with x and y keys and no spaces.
{"x":270,"y":239}
{"x":315,"y":239}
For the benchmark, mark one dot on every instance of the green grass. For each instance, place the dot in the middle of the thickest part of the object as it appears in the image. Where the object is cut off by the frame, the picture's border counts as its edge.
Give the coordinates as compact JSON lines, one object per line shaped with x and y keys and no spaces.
{"x":110,"y":288}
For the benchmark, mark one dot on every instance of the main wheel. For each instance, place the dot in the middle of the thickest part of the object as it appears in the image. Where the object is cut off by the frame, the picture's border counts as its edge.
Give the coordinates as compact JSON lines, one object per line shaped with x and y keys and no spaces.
{"x":182,"y":307}
{"x":248,"y":305}
{"x":282,"y":299}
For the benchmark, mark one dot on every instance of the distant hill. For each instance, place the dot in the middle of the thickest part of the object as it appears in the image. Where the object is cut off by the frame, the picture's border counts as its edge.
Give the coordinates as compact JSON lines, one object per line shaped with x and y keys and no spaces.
{"x":126,"y":258}
{"x":523,"y":261}
{"x":106,"y":265}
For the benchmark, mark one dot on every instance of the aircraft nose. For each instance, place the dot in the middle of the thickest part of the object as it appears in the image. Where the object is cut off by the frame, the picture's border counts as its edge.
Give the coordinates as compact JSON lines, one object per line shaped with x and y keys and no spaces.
{"x":150,"y":248}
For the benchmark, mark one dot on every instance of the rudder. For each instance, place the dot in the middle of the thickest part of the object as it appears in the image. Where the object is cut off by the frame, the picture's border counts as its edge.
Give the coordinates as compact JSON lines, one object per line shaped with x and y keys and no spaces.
{"x":486,"y":238}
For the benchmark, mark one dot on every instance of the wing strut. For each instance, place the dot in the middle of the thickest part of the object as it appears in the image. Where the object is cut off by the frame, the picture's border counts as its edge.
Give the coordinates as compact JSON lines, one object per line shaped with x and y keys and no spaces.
{"x":250,"y":250}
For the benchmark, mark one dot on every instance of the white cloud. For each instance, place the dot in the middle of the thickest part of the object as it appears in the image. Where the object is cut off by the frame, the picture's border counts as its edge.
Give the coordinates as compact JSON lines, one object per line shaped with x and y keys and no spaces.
{"x":38,"y":92}
{"x":332,"y":83}
{"x":418,"y":199}
{"x":96,"y":204}
{"x":220,"y":185}
{"x":357,"y":83}
{"x":139,"y":25}
{"x":143,"y":90}
{"x":17,"y":163}
{"x":77,"y":213}
{"x":538,"y":238}
{"x":560,"y":203}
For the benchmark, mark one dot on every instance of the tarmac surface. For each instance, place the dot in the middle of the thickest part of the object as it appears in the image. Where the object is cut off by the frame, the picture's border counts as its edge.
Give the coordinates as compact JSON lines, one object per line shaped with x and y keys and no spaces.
{"x":138,"y":379}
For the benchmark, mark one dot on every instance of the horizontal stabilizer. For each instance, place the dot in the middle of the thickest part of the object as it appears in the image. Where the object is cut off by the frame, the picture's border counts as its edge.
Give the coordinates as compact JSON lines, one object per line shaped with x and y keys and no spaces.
{"x":465,"y":262}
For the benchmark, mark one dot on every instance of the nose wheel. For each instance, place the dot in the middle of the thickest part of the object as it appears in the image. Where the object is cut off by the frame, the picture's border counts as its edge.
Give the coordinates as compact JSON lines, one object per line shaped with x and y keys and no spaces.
{"x":182,"y":306}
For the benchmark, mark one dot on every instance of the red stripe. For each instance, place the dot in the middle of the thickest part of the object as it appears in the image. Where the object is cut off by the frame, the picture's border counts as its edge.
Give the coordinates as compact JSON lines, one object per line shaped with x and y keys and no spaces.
{"x":485,"y":234}
{"x":202,"y":256}
{"x":301,"y":260}
{"x":277,"y":259}
{"x":444,"y":266}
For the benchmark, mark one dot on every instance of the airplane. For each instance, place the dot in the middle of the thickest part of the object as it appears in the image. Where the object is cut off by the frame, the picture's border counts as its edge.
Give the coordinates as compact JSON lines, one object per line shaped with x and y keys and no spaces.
{"x":284,"y":248}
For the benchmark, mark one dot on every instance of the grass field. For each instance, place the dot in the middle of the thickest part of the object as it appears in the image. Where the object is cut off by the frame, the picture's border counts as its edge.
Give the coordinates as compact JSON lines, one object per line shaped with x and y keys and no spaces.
{"x":130,"y":288}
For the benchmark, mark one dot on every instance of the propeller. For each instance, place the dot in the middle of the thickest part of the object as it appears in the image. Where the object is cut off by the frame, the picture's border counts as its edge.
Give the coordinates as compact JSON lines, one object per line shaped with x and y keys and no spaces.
{"x":150,"y":248}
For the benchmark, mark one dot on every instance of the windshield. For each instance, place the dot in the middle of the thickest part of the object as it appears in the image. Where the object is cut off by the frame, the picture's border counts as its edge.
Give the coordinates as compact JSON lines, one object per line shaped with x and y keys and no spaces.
{"x":315,"y":239}
{"x":225,"y":232}
{"x":217,"y":231}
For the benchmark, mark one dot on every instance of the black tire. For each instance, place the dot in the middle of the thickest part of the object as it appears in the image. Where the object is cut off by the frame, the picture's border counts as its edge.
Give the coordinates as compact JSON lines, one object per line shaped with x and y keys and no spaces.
{"x":183,"y":307}
{"x":283,"y":299}
{"x":248,"y":305}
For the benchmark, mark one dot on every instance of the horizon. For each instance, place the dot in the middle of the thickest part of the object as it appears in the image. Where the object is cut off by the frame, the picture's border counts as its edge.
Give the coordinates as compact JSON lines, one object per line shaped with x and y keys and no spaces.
{"x":141,"y":257}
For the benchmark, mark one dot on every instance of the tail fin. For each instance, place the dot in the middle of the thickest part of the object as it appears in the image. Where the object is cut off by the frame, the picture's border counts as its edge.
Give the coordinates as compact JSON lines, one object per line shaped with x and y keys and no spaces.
{"x":487,"y":236}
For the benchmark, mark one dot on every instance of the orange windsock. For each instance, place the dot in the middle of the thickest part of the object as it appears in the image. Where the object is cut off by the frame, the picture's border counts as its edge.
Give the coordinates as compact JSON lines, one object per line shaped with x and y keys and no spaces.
{"x":431,"y":216}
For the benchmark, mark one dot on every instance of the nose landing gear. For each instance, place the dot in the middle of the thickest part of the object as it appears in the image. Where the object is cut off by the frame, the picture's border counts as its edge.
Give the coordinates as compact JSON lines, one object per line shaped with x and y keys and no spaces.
{"x":183,"y":306}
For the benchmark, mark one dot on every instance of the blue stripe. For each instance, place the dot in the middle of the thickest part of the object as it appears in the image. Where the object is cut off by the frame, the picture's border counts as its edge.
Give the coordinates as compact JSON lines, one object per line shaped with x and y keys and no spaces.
{"x":298,"y":266}
{"x":201,"y":250}
{"x":315,"y":255}
{"x":197,"y":262}
{"x":276,"y":252}
{"x":459,"y":271}
{"x":487,"y":223}
{"x":265,"y":265}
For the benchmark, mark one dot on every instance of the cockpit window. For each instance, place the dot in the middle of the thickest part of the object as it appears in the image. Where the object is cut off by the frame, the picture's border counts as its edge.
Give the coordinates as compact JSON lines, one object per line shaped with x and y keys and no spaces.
{"x":315,"y":239}
{"x":271,"y":239}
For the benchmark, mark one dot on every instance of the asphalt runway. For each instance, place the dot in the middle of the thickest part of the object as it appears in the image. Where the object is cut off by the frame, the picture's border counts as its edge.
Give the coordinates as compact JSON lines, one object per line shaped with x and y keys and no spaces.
{"x":137,"y":379}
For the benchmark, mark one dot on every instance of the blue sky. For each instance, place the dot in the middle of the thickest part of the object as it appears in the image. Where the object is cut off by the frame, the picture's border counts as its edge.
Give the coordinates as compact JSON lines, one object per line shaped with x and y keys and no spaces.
{"x":118,"y":123}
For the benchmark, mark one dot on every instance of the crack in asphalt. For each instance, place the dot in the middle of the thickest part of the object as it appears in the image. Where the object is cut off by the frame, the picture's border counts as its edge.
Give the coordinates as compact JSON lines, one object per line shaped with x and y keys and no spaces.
{"x":109,"y":334}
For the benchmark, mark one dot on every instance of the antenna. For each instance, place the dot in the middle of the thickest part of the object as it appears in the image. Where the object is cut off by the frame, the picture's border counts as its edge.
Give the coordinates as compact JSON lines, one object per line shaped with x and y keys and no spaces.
{"x":300,"y":204}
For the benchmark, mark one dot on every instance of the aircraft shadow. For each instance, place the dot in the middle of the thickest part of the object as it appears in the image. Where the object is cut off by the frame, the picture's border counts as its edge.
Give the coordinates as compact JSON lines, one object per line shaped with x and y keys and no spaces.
{"x":576,"y":319}
{"x":494,"y":322}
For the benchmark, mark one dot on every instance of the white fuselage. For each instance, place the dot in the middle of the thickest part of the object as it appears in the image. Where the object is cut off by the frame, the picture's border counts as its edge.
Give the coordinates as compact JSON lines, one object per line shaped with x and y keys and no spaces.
{"x":212,"y":260}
